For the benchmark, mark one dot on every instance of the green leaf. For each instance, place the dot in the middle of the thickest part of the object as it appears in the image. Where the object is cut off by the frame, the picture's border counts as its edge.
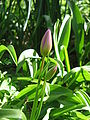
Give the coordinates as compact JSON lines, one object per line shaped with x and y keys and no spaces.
{"x":83,"y":76}
{"x":11,"y":51}
{"x":84,"y":98}
{"x":64,"y":55}
{"x":77,"y":23}
{"x":12,"y":113}
{"x":28,"y":91}
{"x":82,"y":116}
{"x":55,"y":113}
{"x":78,"y":74}
{"x":29,"y":53}
{"x":55,"y":38}
{"x":63,"y":37}
{"x":64,"y":33}
{"x":62,"y":103}
{"x":56,"y":91}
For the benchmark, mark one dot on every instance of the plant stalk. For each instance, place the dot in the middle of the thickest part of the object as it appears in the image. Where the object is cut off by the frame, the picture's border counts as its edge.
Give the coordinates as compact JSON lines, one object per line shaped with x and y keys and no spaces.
{"x":34,"y":109}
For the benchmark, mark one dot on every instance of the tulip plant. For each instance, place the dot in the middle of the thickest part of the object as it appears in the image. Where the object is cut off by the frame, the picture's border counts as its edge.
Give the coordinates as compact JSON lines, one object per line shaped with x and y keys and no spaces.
{"x":45,"y":48}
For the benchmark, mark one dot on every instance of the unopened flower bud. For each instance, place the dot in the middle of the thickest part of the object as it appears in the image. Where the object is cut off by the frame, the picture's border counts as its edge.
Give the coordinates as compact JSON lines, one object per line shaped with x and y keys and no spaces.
{"x":46,"y":43}
{"x":51,"y":72}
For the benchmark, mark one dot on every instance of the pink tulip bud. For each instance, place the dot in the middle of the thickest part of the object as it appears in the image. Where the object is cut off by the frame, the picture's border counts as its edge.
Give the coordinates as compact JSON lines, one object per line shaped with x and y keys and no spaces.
{"x":51,"y":72}
{"x":46,"y":43}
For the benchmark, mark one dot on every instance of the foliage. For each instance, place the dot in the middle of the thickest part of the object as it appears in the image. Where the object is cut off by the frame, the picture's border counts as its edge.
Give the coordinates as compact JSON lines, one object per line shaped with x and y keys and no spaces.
{"x":23,"y":72}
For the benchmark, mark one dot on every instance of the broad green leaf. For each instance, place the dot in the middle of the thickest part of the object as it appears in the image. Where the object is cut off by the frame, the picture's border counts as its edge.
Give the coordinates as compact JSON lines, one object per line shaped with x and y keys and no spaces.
{"x":56,"y":91}
{"x":64,"y":33}
{"x":77,"y":23}
{"x":84,"y":75}
{"x":55,"y":113}
{"x":63,"y":37}
{"x":12,"y":113}
{"x":11,"y":51}
{"x":61,"y":103}
{"x":29,"y":92}
{"x":29,"y":53}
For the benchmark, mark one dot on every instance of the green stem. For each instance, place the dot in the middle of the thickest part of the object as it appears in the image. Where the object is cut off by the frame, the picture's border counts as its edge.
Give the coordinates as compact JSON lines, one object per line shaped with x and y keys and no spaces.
{"x":41,"y":102}
{"x":36,"y":96}
{"x":42,"y":96}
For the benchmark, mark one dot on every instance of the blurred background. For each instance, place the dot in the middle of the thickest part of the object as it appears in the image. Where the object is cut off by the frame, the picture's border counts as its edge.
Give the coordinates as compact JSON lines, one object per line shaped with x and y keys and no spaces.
{"x":24,"y":22}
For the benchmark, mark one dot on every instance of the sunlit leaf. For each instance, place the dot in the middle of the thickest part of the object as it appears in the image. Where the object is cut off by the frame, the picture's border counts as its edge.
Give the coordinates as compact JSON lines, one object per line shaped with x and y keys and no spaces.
{"x":11,"y":51}
{"x":78,"y":25}
{"x":12,"y":113}
{"x":55,"y":37}
{"x":28,"y":91}
{"x":27,"y":54}
{"x":84,"y":98}
{"x":64,"y":33}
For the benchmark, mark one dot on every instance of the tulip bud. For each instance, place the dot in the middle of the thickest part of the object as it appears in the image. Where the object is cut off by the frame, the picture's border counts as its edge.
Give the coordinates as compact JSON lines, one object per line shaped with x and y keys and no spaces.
{"x":51,"y":72}
{"x":46,"y":43}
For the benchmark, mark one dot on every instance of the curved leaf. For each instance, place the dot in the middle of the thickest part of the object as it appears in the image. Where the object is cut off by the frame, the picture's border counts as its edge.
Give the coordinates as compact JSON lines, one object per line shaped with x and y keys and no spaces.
{"x":29,"y":53}
{"x":64,"y":33}
{"x":77,"y":23}
{"x":11,"y":51}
